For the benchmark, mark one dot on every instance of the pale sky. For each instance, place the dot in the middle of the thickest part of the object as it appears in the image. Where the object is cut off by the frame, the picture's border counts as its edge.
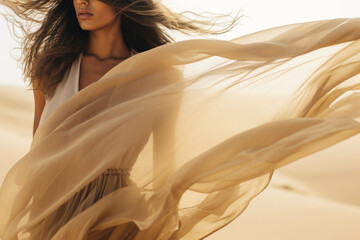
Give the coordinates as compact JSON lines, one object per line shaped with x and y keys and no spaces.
{"x":260,"y":14}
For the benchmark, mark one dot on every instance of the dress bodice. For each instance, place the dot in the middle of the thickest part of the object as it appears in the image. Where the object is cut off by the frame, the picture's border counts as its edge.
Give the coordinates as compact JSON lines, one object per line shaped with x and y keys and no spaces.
{"x":68,"y":87}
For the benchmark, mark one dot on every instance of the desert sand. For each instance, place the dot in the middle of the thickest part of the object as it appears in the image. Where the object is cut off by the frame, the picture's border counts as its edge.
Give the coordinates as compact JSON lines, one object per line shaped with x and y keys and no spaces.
{"x":315,"y":198}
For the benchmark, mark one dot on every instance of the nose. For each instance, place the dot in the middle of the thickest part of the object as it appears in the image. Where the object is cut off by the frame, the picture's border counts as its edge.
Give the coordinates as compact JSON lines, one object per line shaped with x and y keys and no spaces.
{"x":86,"y":2}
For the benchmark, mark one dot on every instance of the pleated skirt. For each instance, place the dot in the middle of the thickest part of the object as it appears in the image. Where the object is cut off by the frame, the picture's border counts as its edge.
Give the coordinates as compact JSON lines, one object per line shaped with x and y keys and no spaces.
{"x":109,"y":181}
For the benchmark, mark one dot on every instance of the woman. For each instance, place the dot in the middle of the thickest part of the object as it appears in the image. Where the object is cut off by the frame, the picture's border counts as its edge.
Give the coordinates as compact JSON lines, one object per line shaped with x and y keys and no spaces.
{"x":92,"y":173}
{"x":105,"y":48}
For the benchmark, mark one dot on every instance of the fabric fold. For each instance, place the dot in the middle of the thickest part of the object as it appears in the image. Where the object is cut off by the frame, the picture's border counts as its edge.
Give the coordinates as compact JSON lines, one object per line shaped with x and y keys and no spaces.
{"x":201,"y":126}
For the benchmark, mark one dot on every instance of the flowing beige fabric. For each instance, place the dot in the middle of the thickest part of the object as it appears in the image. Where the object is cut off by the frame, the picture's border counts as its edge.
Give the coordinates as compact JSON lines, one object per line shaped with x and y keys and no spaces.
{"x":173,"y":143}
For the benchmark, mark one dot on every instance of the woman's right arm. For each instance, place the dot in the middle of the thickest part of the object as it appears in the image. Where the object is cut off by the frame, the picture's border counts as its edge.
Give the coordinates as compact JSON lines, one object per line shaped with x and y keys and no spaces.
{"x":39,"y":100}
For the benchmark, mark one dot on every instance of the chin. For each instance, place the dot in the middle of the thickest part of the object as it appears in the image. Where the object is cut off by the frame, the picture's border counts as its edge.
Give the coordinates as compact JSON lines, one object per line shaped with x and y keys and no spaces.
{"x":91,"y":26}
{"x":88,"y":27}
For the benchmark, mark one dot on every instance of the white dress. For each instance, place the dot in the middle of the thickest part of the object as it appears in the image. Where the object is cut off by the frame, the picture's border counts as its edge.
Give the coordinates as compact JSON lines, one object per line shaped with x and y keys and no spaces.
{"x":68,"y":87}
{"x":109,"y":181}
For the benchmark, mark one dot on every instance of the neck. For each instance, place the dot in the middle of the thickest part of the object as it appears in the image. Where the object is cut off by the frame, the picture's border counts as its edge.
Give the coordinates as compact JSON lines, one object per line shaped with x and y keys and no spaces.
{"x":106,"y":43}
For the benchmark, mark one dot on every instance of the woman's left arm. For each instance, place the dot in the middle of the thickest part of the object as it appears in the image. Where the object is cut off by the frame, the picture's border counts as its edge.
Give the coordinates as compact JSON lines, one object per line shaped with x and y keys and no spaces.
{"x":164,"y":133}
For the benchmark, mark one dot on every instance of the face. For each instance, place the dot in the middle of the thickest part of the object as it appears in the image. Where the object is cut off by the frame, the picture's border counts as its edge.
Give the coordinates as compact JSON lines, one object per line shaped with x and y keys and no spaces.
{"x":94,"y":14}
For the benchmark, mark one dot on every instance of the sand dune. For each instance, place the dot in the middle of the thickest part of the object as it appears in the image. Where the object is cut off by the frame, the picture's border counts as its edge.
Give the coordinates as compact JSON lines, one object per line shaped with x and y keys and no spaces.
{"x":316,"y":198}
{"x":278,"y":214}
{"x":16,"y":118}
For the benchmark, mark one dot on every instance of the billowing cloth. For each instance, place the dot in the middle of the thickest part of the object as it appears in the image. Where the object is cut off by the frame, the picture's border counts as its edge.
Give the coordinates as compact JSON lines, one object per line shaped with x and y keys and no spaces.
{"x":195,"y":130}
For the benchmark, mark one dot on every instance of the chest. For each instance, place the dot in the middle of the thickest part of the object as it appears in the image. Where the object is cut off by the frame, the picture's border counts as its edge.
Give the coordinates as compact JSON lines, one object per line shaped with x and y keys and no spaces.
{"x":92,"y":70}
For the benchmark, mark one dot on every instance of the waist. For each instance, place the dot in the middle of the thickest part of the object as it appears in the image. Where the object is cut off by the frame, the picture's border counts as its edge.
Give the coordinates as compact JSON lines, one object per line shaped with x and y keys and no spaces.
{"x":117,"y":171}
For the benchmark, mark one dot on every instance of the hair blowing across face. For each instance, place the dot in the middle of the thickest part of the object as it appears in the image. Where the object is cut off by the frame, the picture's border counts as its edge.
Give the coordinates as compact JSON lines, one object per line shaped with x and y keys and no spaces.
{"x":52,"y":38}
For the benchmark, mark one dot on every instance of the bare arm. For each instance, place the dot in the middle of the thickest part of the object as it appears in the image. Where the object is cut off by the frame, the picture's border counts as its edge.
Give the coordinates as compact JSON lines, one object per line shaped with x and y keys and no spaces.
{"x":164,"y":136}
{"x":164,"y":146}
{"x":39,"y":100}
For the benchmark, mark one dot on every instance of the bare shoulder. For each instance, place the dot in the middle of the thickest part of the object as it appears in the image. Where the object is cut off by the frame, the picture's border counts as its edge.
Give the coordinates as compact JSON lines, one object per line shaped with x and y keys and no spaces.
{"x":39,"y":97}
{"x":39,"y":102}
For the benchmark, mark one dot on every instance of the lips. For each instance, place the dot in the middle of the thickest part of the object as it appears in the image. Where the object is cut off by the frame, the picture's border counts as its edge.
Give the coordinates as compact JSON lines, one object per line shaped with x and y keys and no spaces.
{"x":84,"y":14}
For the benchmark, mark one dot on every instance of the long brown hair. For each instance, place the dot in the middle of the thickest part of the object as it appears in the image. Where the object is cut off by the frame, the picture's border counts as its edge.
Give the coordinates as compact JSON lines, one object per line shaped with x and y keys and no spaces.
{"x":50,"y":49}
